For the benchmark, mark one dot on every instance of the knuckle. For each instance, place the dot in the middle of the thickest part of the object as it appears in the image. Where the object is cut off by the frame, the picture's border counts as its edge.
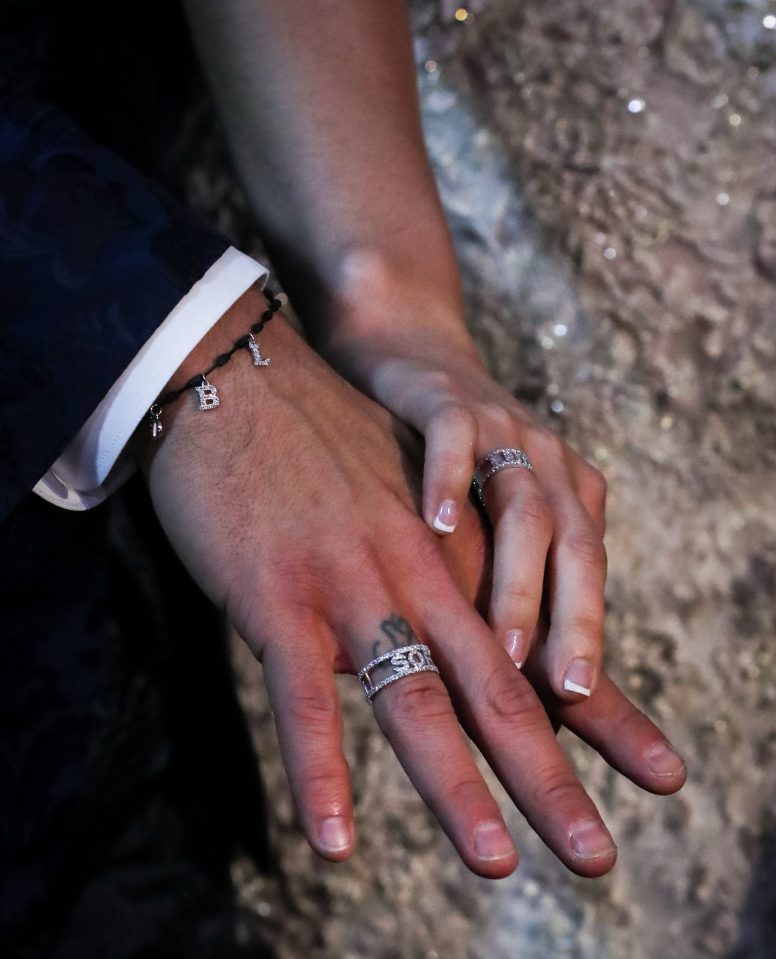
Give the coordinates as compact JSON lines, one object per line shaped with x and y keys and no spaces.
{"x":294,"y":581}
{"x":517,"y":596}
{"x":419,"y":702}
{"x":508,"y":699}
{"x":597,"y":479}
{"x":556,"y":787}
{"x":420,"y":556}
{"x":587,"y":548}
{"x":498,"y":420}
{"x":534,"y":511}
{"x":313,"y":709}
{"x":454,"y":426}
{"x":627,"y":719}
{"x":439,"y":381}
{"x":321,"y":784}
{"x":466,"y":792}
{"x":589,"y":625}
{"x":551,"y":445}
{"x":453,"y":413}
{"x":452,"y":464}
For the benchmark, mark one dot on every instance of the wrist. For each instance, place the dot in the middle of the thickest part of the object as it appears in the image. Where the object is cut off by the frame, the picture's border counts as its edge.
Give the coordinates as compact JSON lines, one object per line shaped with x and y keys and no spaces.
{"x":232,"y":326}
{"x":234,"y":323}
{"x":376,"y":297}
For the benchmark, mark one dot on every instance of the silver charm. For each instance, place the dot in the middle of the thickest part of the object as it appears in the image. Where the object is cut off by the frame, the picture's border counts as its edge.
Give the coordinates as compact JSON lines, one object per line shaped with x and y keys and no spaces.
{"x":253,"y":346}
{"x":208,"y":395}
{"x":155,"y":414}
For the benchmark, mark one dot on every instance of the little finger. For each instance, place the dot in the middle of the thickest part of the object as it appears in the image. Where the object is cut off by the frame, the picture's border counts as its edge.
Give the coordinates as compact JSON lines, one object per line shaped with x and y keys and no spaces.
{"x":301,"y":688}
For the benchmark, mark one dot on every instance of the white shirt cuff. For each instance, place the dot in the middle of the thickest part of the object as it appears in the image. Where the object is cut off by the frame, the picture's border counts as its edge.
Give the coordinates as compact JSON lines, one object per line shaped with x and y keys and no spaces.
{"x":91,"y":467}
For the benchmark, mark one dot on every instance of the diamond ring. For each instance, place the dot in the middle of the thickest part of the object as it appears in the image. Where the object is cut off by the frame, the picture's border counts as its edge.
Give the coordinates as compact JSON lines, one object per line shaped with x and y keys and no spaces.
{"x":493,"y":463}
{"x":401,"y":662}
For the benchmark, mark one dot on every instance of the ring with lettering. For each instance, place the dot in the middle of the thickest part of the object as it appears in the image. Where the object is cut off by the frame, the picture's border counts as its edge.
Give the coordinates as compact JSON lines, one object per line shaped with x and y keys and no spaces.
{"x":401,"y":662}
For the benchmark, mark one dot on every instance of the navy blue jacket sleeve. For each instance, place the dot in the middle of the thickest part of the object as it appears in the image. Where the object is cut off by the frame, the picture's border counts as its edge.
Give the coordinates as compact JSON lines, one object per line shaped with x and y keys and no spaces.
{"x":93,"y":256}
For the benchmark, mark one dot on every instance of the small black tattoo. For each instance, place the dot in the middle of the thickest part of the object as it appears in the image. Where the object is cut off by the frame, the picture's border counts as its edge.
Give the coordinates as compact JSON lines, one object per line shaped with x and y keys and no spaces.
{"x":398,"y":631}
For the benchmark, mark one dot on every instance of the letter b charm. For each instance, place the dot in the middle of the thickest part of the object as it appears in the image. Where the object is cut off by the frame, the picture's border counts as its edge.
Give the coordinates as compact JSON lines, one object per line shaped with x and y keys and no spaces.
{"x":208,"y":395}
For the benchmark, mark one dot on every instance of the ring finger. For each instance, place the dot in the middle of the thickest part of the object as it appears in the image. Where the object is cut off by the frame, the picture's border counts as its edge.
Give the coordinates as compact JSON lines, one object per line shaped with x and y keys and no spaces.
{"x":417,"y":717}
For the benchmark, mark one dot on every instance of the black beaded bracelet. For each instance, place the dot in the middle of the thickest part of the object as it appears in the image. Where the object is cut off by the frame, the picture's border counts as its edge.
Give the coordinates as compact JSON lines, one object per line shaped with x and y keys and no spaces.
{"x":208,"y":394}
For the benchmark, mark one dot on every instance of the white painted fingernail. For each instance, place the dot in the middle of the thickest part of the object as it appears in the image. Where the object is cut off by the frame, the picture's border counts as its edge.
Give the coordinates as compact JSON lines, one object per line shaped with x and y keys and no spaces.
{"x":514,"y":641}
{"x":579,"y":677}
{"x":446,"y":518}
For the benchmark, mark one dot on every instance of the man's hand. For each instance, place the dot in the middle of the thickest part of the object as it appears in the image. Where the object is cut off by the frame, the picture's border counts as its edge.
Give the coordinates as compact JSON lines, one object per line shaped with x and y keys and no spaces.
{"x":292,"y":507}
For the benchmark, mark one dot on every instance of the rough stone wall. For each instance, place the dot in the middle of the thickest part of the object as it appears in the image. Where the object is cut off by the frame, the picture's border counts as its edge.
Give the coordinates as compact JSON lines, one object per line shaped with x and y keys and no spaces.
{"x":609,"y":173}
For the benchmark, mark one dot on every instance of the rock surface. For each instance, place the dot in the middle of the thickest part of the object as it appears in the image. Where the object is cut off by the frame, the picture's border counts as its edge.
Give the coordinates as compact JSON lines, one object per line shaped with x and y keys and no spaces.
{"x":608,"y":171}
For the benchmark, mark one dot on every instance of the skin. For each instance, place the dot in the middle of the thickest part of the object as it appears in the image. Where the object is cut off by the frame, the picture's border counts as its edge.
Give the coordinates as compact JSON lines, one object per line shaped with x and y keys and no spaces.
{"x":319,"y":105}
{"x":294,"y":505}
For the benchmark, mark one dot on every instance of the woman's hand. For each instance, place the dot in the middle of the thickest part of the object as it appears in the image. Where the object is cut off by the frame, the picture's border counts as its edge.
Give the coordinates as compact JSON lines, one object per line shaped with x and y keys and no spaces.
{"x":549,"y":520}
{"x":608,"y":721}
{"x":292,"y":507}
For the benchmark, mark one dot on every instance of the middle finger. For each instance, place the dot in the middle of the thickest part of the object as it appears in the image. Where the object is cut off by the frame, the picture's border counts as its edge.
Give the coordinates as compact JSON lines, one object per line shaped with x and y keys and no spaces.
{"x":522,"y":524}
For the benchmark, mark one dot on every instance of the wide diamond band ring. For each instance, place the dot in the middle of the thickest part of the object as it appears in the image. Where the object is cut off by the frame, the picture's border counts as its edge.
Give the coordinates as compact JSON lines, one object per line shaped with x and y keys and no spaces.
{"x":395,"y":664}
{"x":493,"y":463}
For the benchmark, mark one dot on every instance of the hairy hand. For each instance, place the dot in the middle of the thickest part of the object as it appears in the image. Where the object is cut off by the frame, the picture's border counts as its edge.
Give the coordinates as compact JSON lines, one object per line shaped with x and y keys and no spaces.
{"x":292,"y":505}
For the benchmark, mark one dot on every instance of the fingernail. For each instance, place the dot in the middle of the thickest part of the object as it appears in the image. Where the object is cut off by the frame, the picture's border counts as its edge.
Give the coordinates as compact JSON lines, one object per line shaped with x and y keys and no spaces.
{"x":446,"y":518}
{"x":492,"y":841}
{"x":664,"y":761}
{"x":515,"y":643}
{"x":579,"y":677}
{"x":590,"y":840}
{"x":334,"y":834}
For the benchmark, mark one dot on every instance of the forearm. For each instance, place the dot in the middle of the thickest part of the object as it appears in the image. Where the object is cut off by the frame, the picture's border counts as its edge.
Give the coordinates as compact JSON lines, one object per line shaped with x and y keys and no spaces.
{"x":319,"y":104}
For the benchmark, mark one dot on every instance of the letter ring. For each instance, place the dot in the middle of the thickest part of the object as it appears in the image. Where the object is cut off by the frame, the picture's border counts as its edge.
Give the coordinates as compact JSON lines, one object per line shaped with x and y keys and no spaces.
{"x":404,"y":661}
